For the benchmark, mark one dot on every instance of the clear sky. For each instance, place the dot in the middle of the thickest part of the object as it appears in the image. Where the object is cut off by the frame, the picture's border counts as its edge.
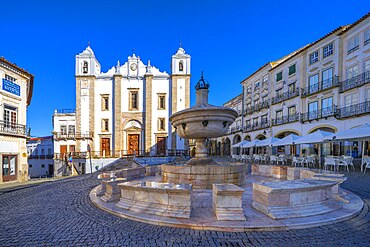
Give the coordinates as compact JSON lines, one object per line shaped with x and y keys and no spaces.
{"x":229,"y":40}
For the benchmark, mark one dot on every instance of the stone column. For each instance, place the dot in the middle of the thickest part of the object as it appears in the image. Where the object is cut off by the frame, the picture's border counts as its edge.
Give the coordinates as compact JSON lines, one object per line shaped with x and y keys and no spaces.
{"x":201,"y":148}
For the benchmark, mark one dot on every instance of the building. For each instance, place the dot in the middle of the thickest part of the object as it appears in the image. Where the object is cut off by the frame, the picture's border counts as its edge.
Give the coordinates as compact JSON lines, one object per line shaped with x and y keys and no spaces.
{"x":15,"y":97}
{"x":125,"y":110}
{"x":324,"y":85}
{"x":40,"y":152}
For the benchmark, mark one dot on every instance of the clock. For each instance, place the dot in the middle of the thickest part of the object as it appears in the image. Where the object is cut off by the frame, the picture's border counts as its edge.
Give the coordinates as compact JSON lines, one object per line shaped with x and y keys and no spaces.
{"x":133,"y":66}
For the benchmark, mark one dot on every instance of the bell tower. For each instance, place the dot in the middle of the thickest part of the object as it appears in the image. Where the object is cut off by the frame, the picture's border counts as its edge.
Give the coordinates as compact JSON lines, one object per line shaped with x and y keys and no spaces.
{"x":87,"y":68}
{"x":180,"y":93}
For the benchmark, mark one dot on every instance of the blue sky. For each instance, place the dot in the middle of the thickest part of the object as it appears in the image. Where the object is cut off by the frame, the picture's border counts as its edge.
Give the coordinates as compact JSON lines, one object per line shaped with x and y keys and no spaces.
{"x":229,"y":40}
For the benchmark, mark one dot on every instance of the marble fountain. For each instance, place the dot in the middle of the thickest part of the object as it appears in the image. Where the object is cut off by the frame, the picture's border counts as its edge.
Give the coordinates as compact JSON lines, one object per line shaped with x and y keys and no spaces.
{"x":205,"y":194}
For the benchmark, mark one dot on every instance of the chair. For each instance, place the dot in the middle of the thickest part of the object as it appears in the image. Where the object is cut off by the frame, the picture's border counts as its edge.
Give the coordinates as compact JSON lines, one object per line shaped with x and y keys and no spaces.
{"x":297,"y":161}
{"x":366,"y":162}
{"x":273,"y":159}
{"x":329,"y":162}
{"x":349,"y":161}
{"x":310,"y":161}
{"x":281,"y":158}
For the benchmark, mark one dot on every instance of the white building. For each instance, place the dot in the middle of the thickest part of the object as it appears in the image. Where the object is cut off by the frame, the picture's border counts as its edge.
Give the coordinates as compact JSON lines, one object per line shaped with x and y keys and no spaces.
{"x":124,"y":110}
{"x":40,"y":152}
{"x":324,"y":85}
{"x":15,"y":96}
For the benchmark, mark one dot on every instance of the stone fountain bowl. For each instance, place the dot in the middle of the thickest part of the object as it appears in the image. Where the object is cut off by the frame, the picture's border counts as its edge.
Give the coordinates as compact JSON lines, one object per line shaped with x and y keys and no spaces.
{"x":203,"y":121}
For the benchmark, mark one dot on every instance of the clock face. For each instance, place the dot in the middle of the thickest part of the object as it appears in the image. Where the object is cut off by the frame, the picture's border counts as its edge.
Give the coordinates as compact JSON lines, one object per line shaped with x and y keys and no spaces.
{"x":133,"y":66}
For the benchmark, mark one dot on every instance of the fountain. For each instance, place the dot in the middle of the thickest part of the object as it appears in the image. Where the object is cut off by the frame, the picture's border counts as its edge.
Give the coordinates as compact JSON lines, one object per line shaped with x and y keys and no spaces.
{"x":200,"y":122}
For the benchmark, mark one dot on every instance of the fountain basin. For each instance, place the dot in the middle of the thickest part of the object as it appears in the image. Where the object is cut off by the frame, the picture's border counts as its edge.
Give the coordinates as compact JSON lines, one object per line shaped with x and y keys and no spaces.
{"x":203,"y":176}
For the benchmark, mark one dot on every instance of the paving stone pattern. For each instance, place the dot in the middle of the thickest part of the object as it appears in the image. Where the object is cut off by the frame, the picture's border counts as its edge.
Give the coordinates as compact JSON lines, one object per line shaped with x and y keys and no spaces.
{"x":60,"y":213}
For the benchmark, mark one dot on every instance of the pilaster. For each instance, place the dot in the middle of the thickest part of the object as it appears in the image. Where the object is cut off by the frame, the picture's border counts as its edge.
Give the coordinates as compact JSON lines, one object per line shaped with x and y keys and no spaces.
{"x":148,"y":112}
{"x":118,"y":138}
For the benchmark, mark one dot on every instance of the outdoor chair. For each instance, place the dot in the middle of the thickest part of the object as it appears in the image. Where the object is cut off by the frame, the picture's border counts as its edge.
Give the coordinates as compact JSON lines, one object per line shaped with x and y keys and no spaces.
{"x":366,"y":162}
{"x":310,"y":160}
{"x":329,"y":162}
{"x":296,"y":161}
{"x":346,"y":161}
{"x":273,"y":159}
{"x":281,"y":158}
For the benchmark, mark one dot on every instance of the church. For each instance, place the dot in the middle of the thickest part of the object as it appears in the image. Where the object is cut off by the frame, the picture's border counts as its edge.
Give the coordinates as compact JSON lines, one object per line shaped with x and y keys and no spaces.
{"x":126,"y":110}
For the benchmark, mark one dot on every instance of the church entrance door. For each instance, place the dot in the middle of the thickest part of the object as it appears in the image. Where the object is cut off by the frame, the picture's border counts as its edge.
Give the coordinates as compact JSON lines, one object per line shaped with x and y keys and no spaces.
{"x":133,"y":143}
{"x":105,"y":146}
{"x":161,"y":146}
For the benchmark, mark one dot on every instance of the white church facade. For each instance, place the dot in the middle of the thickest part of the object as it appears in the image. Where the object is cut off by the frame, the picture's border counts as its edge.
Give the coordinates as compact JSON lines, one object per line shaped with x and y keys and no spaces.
{"x":126,"y":110}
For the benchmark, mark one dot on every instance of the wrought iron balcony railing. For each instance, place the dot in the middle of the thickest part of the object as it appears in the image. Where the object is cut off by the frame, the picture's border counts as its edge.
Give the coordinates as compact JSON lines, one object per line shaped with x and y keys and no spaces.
{"x":78,"y":135}
{"x":257,"y":107}
{"x":356,"y":81}
{"x":233,"y":130}
{"x":262,"y":125}
{"x":285,"y":119}
{"x":353,"y":110}
{"x":8,"y":128}
{"x":286,"y":95}
{"x":321,"y":113}
{"x":319,"y":87}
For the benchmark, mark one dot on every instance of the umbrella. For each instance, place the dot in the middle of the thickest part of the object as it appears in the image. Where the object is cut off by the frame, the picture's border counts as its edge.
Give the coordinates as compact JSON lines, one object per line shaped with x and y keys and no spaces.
{"x":236,"y":145}
{"x":245,"y":142}
{"x":267,"y":142}
{"x":315,"y":137}
{"x":359,"y":133}
{"x":288,"y":140}
{"x":251,"y":144}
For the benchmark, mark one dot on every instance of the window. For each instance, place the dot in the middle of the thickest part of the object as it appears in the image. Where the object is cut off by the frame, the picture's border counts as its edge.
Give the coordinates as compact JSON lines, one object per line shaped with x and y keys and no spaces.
{"x":248,"y":123}
{"x":279,"y":92}
{"x":161,"y":101}
{"x":30,"y":165}
{"x":255,"y":121}
{"x":71,"y":130}
{"x":265,"y":79}
{"x":181,"y":66}
{"x":10,"y":78}
{"x":367,"y":37}
{"x":256,"y":84}
{"x":326,"y":106}
{"x":63,"y":129}
{"x":313,"y":83}
{"x":85,"y":67}
{"x":49,"y":151}
{"x":292,"y":69}
{"x":279,"y":114}
{"x":291,"y":88}
{"x":367,"y":65}
{"x":291,"y":111}
{"x":161,"y":124}
{"x":104,"y":125}
{"x":105,"y":102}
{"x":257,"y":101}
{"x":133,"y":100}
{"x":350,"y":99}
{"x":279,"y":76}
{"x":353,"y":44}
{"x":314,"y":57}
{"x":42,"y":165}
{"x":352,"y":72}
{"x":10,"y":116}
{"x":264,"y":119}
{"x":327,"y":78}
{"x":327,"y":50}
{"x":265,"y":98}
{"x":367,"y":95}
{"x":313,"y":110}
{"x":42,"y":151}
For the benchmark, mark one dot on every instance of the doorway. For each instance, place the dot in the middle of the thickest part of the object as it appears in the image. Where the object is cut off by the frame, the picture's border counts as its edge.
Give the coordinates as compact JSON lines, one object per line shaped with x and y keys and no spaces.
{"x":51,"y":170}
{"x":105,"y":146}
{"x":9,"y":168}
{"x":161,"y":146}
{"x":133,"y":143}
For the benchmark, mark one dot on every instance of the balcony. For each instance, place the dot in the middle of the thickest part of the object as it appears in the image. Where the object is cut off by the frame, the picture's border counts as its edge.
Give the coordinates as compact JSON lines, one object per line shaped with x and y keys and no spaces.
{"x":320,"y":87}
{"x":72,"y":136}
{"x":65,"y":111}
{"x":354,"y":110}
{"x":285,"y":119}
{"x":285,"y":96}
{"x":321,"y":113}
{"x":256,"y":126}
{"x":257,"y":107}
{"x":41,"y":156}
{"x":233,"y":130}
{"x":356,"y":81}
{"x":13,"y":129}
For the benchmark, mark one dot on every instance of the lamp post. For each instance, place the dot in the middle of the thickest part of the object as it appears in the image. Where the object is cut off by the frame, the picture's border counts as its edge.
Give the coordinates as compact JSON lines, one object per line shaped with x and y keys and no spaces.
{"x":89,"y":150}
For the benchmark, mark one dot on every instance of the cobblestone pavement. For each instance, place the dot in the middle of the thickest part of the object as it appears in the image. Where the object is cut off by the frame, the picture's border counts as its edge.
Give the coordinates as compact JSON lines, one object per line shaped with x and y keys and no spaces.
{"x":60,"y":213}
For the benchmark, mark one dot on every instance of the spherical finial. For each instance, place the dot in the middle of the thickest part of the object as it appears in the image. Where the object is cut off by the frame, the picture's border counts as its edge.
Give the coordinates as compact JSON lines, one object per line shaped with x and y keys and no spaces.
{"x":202,"y":83}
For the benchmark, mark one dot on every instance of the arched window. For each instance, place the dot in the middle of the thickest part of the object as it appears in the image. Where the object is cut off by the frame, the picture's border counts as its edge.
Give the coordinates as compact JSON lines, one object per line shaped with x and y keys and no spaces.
{"x":85,"y":67}
{"x":181,"y":66}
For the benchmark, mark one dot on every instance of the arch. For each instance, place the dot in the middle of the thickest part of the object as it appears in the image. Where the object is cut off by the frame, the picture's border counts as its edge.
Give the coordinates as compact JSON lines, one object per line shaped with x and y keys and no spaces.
{"x":247,"y":138}
{"x":132,"y":124}
{"x":260,"y":137}
{"x":227,"y":146}
{"x":285,"y":132}
{"x":181,"y":66}
{"x":85,"y":67}
{"x":323,"y":127}
{"x":237,"y":139}
{"x":218,"y":148}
